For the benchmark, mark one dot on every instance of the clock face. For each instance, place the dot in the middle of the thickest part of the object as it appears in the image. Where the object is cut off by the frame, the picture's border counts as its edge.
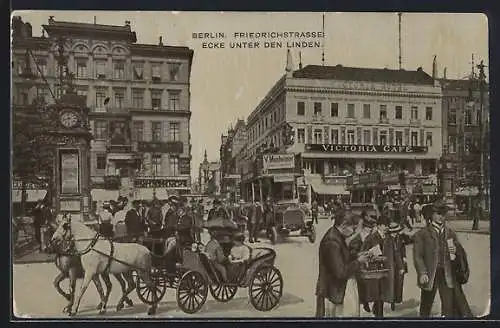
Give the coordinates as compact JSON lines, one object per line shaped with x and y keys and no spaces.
{"x":69,"y":119}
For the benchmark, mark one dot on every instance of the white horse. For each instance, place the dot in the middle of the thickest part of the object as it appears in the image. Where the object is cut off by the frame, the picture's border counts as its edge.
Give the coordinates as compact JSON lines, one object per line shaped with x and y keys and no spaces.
{"x":102,"y":256}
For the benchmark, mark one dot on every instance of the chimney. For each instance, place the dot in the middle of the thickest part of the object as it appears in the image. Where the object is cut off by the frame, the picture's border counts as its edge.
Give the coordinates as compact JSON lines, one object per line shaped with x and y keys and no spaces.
{"x":127,"y":23}
{"x":444,"y":73}
{"x":434,"y":68}
{"x":161,"y":41}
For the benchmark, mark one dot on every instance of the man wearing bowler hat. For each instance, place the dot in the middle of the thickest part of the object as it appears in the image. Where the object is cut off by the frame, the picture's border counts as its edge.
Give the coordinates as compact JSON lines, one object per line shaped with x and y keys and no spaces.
{"x":434,"y":250}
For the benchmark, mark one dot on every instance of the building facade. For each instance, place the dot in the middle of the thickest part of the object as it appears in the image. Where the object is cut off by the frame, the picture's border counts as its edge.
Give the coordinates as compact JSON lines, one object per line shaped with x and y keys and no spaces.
{"x":139,"y":98}
{"x":350,"y":120}
{"x":465,"y":127}
{"x":232,"y":144}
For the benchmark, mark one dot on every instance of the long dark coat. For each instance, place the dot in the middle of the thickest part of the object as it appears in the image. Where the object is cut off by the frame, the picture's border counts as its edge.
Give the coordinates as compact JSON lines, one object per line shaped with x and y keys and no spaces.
{"x":461,"y":270}
{"x":385,"y":288}
{"x":399,"y":247}
{"x":335,"y":268}
{"x":425,"y":255}
{"x":134,"y":223}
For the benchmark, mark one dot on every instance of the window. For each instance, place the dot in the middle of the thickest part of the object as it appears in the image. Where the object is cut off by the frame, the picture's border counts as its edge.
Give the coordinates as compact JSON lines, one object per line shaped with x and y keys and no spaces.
{"x":81,"y":68}
{"x":428,"y":139}
{"x":21,"y":66}
{"x":366,"y":137}
{"x":155,"y":131}
{"x":301,"y":108}
{"x":350,"y":137}
{"x":428,"y":113}
{"x":174,"y":100}
{"x":101,"y":161}
{"x":100,"y":96}
{"x":398,"y":113}
{"x":383,"y":138}
{"x":22,"y":96}
{"x":335,"y":136}
{"x":350,"y":111}
{"x":174,"y":71}
{"x":275,"y":116}
{"x":42,"y":94}
{"x":101,"y":129}
{"x":119,"y":70}
{"x":468,"y":117}
{"x":100,"y":69}
{"x":452,"y":144}
{"x":119,"y":99}
{"x":174,"y":166}
{"x":301,"y":136}
{"x":452,"y":116}
{"x":156,"y":163}
{"x":334,"y":110}
{"x":317,"y":108}
{"x":156,"y":100}
{"x":414,"y":139}
{"x":366,"y":110}
{"x":82,"y":93}
{"x":156,"y":72}
{"x":318,"y":136}
{"x":414,"y":113}
{"x":138,"y":71}
{"x":42,"y":66}
{"x":138,"y":128}
{"x":478,"y":117}
{"x":383,"y":112}
{"x":174,"y":131}
{"x":399,"y":138}
{"x":138,"y":98}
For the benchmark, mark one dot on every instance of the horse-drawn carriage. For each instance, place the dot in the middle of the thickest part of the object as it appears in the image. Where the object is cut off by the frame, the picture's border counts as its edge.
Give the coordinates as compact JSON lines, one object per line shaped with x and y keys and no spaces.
{"x":194,"y":275}
{"x":290,"y":219}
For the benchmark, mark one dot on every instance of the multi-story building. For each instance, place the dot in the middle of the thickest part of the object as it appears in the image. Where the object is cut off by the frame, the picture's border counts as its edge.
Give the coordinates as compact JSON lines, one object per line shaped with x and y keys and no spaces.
{"x":231,"y":145}
{"x":463,"y":123}
{"x":348,"y":120}
{"x":139,"y":100}
{"x":209,"y":177}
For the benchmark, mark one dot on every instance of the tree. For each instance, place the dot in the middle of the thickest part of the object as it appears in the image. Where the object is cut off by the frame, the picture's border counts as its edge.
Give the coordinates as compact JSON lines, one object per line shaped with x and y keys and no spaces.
{"x":31,"y":157}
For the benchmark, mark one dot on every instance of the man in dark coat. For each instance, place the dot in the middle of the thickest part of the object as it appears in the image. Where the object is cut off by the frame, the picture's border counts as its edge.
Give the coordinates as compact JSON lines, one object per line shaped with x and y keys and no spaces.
{"x":171,"y":217}
{"x":336,"y":266}
{"x":185,"y":224}
{"x":38,"y":221}
{"x":218,"y":210}
{"x":398,"y":265}
{"x":154,"y":219}
{"x":269,"y":213}
{"x":434,"y":253}
{"x":133,"y":221}
{"x":256,"y":219}
{"x":199,"y":213}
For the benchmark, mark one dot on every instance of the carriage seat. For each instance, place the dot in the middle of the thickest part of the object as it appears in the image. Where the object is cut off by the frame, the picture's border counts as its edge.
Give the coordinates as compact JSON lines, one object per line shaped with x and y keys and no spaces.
{"x":211,"y":269}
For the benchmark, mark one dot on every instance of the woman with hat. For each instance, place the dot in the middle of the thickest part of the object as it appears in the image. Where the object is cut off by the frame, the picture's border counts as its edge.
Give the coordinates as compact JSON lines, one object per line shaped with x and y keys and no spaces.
{"x":105,"y":217}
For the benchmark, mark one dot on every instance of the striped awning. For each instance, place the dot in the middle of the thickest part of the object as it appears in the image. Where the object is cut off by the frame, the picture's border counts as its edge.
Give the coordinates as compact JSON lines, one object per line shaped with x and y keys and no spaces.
{"x":33,"y":195}
{"x":104,"y":195}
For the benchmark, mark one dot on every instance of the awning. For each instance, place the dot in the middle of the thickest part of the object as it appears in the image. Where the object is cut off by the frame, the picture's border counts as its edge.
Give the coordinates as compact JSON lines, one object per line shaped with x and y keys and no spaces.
{"x":104,"y":195}
{"x":322,"y":188}
{"x":33,"y":195}
{"x":147,"y":193}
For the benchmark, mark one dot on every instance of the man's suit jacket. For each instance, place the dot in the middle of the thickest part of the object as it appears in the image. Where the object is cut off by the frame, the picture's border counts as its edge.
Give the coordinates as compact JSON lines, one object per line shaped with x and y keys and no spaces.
{"x":335,"y":266}
{"x":425,"y":255}
{"x":133,"y":222}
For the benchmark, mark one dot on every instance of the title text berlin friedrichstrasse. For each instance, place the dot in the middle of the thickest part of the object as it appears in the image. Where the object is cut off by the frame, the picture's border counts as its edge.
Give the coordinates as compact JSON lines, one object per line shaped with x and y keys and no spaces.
{"x":259,"y":40}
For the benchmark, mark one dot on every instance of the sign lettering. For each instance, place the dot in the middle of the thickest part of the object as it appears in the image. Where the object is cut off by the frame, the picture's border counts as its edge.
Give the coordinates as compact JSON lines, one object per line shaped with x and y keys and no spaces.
{"x":172,"y":147}
{"x":336,"y":148}
{"x":278,"y":161}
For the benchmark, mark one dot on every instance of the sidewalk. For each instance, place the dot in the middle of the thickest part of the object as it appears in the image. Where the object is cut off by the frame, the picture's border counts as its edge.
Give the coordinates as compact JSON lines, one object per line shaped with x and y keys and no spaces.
{"x":466,"y":226}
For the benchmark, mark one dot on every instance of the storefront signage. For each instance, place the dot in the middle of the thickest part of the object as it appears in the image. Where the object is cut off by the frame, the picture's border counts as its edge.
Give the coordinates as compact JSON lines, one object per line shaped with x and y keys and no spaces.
{"x":69,"y":172}
{"x":160,"y":183}
{"x":336,"y":148}
{"x":171,"y":147}
{"x":283,"y":177}
{"x":278,"y":161}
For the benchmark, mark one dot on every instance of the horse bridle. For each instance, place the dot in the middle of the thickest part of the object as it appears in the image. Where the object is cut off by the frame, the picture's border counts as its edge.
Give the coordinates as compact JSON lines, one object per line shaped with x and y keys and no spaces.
{"x":70,"y":240}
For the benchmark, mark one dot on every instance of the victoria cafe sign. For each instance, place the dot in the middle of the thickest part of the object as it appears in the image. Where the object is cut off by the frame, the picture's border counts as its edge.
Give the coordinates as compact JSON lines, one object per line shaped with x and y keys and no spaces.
{"x":335,"y":148}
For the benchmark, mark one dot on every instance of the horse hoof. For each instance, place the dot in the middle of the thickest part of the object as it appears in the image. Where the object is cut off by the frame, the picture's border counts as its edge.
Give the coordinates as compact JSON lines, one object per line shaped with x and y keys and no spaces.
{"x":99,"y":306}
{"x":152,"y":311}
{"x":129,"y":302}
{"x":71,"y":314}
{"x":102,"y":311}
{"x":66,"y":309}
{"x":119,"y":307}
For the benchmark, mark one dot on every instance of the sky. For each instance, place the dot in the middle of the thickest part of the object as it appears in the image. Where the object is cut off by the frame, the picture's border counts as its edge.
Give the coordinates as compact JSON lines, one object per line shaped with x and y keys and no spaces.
{"x":227,"y":84}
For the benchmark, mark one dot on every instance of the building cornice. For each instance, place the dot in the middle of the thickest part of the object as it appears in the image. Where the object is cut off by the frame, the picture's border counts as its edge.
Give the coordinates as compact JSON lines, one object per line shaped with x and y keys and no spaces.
{"x":35,"y":43}
{"x":274,"y":93}
{"x":364,"y":93}
{"x":169,"y":113}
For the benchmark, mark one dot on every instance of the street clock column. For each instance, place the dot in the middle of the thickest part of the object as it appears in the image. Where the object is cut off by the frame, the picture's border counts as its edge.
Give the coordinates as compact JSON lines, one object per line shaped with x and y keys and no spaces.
{"x":67,"y":134}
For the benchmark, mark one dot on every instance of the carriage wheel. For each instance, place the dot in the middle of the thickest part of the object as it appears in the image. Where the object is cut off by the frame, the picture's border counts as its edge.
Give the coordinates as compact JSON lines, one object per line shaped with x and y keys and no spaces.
{"x":223,"y":293}
{"x":312,"y":234}
{"x":266,"y":288}
{"x":192,"y":292}
{"x":151,"y":294}
{"x":273,"y":235}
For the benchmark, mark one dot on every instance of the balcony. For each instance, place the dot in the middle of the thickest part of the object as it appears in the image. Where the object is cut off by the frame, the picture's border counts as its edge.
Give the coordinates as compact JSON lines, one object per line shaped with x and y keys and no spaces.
{"x":383,"y":120}
{"x":121,"y":149}
{"x":415,"y":122}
